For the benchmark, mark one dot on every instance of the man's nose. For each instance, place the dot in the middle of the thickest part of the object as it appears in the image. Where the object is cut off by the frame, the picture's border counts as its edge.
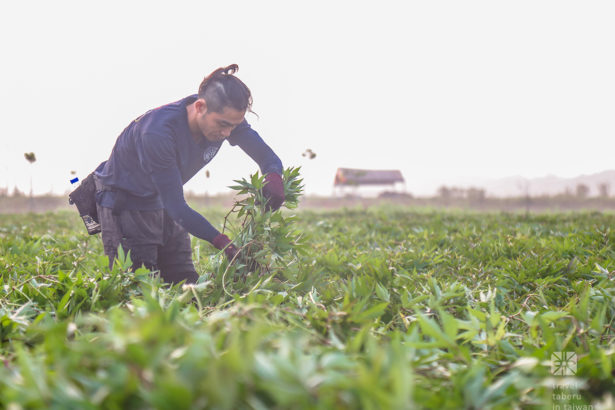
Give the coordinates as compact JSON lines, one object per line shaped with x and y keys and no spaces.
{"x":226,"y":132}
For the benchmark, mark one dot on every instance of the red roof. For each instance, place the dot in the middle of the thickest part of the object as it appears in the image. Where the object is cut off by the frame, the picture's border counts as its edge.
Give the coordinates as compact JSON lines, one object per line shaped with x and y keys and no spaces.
{"x":347,"y":176}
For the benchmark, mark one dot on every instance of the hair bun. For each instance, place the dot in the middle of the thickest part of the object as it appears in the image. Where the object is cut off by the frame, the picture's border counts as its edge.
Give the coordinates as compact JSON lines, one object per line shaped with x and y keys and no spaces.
{"x":230,"y":70}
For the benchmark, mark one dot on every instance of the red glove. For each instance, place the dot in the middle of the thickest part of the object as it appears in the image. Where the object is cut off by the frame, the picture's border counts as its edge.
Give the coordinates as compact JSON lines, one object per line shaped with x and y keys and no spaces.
{"x":273,"y":191}
{"x":221,"y":241}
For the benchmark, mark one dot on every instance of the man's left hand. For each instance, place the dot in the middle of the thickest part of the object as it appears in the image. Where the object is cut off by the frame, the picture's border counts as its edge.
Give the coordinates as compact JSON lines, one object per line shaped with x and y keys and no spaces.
{"x":222,"y":242}
{"x":273,"y":191}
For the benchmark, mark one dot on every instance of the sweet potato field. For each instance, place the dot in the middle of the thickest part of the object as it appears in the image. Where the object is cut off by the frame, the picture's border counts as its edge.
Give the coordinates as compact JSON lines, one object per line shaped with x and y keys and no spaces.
{"x":383,"y":308}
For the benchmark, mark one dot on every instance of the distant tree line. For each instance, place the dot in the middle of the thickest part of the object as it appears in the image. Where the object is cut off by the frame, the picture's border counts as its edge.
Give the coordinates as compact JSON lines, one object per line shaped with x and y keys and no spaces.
{"x":582,"y":191}
{"x":4,"y":192}
{"x":473,"y":194}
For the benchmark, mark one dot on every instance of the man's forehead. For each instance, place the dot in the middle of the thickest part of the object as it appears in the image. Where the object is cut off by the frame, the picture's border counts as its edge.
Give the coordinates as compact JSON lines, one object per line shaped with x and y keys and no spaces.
{"x":231,"y":115}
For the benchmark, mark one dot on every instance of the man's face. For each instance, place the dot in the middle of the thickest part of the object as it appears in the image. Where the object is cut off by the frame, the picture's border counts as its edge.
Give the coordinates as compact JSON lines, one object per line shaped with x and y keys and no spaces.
{"x":217,"y":126}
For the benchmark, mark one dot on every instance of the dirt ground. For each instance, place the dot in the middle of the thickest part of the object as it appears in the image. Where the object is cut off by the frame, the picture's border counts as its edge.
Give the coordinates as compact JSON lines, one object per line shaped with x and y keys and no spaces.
{"x":39,"y":204}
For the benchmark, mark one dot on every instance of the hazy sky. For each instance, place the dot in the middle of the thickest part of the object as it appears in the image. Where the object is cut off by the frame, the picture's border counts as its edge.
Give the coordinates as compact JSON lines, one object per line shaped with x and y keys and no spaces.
{"x":442,"y":90}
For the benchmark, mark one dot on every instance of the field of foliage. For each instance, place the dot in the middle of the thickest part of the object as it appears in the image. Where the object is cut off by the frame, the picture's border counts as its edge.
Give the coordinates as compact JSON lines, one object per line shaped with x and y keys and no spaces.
{"x":380,"y":308}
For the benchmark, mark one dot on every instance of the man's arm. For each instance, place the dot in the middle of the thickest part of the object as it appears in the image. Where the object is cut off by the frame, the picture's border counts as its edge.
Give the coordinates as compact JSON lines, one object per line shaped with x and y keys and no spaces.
{"x":160,"y":161}
{"x":169,"y":185}
{"x":253,"y":145}
{"x":271,"y":166}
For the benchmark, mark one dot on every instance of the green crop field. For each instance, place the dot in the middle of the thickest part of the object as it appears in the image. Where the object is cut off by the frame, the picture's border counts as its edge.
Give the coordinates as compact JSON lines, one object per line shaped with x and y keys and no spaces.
{"x":384,"y":308}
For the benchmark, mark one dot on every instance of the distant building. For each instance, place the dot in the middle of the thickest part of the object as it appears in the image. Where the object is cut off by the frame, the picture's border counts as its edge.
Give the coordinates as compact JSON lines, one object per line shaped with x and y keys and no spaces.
{"x":353,"y":179}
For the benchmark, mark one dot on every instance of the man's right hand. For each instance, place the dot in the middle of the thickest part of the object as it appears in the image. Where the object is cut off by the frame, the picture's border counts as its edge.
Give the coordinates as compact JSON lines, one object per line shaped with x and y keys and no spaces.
{"x":222,"y":242}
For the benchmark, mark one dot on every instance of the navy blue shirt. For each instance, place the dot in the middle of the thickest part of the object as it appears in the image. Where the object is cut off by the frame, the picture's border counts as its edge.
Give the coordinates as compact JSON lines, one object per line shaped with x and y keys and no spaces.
{"x":156,"y":155}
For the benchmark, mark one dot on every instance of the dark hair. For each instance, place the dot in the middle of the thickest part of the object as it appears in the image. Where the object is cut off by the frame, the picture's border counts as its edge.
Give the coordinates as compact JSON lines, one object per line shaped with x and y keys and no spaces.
{"x":222,"y":89}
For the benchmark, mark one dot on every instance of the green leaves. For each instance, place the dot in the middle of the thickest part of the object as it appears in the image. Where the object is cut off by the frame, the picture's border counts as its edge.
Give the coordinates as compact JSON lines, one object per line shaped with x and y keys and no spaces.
{"x":267,"y":240}
{"x":355,"y":308}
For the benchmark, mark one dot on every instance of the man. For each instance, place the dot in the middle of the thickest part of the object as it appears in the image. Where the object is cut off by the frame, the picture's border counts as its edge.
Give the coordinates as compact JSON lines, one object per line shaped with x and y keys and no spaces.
{"x":139,"y":196}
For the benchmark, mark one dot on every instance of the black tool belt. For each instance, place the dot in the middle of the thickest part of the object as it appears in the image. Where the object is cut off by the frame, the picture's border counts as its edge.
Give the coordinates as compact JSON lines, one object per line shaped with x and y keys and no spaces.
{"x":84,"y":197}
{"x":120,"y":196}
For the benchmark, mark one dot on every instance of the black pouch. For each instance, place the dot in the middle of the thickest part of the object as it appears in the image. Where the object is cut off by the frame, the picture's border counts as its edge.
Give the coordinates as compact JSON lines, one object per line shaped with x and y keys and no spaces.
{"x":85,"y":199}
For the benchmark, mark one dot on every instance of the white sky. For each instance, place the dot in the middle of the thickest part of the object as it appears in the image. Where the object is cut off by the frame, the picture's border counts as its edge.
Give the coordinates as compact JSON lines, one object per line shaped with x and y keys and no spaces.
{"x":443,"y":90}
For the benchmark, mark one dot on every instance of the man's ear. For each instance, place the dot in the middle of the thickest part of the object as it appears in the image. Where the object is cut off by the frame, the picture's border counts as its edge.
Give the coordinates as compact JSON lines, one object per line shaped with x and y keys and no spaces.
{"x":201,"y":106}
